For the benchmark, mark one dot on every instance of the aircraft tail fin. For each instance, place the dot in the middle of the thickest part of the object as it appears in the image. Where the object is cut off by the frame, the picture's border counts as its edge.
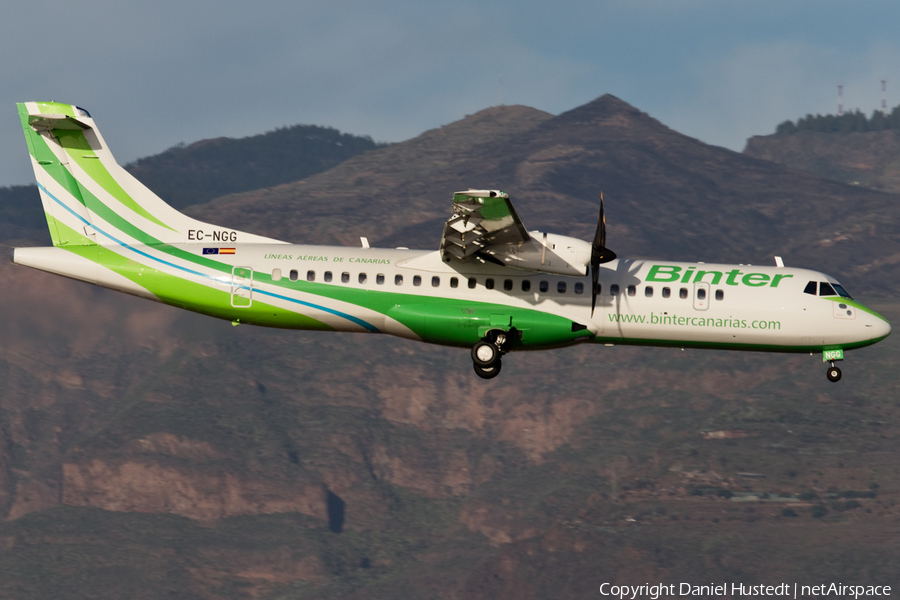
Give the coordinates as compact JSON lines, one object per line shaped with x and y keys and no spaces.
{"x":89,"y":199}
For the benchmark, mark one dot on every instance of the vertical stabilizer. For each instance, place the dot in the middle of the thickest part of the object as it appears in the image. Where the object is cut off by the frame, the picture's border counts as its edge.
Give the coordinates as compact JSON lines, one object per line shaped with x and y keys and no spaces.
{"x":89,"y":199}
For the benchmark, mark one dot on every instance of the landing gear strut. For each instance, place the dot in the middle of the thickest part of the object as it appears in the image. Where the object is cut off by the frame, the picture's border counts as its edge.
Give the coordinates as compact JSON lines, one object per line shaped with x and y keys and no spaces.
{"x":834,"y":374}
{"x":487,"y":352}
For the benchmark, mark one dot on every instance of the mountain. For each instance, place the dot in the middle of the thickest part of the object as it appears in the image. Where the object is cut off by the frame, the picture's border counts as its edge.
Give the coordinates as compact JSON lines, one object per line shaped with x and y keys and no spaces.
{"x":148,"y":452}
{"x":870,"y":159}
{"x":667,"y":195}
{"x":186,"y":175}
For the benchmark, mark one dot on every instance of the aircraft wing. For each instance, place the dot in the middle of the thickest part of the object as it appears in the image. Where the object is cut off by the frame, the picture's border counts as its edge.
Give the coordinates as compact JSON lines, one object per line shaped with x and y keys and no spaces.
{"x":484,"y":225}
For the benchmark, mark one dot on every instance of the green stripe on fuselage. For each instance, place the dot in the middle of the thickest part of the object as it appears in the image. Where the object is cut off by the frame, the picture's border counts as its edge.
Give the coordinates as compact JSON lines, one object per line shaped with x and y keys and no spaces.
{"x":855,"y":304}
{"x":448,"y":321}
{"x":183,"y":293}
{"x":732,"y":346}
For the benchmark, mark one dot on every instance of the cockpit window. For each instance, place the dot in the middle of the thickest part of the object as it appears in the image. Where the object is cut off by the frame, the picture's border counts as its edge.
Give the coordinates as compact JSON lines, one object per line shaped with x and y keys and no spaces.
{"x":825,"y":289}
{"x":810,"y":288}
{"x":840,"y":290}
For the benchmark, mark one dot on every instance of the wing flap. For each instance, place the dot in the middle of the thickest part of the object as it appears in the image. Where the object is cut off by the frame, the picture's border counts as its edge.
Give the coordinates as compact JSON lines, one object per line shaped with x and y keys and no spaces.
{"x":484,"y":227}
{"x":481,"y":219}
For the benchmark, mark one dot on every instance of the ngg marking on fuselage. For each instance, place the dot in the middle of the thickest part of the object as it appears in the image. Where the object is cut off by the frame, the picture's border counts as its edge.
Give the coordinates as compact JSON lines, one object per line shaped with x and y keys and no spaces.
{"x":493,"y":286}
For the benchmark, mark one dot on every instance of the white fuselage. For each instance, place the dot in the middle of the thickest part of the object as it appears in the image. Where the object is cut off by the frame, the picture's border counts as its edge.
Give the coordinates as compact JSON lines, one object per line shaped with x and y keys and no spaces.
{"x":639,"y":301}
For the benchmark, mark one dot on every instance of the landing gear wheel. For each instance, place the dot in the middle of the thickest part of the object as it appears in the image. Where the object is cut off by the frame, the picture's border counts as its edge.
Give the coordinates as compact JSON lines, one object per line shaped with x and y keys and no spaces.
{"x":488,"y":372}
{"x":834,"y":374}
{"x":485,"y":354}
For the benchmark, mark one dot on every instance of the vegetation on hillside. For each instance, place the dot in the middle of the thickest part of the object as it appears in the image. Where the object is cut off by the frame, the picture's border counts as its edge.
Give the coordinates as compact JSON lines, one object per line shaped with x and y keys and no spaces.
{"x":845,"y":123}
{"x":186,"y":175}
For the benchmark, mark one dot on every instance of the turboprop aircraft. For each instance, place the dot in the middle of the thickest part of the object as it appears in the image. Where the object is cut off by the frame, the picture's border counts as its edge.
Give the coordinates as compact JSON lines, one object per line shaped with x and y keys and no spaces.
{"x":493,"y":286}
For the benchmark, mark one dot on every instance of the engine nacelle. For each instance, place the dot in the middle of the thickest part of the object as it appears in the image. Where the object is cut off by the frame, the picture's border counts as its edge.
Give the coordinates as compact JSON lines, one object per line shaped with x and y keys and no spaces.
{"x":549,"y":253}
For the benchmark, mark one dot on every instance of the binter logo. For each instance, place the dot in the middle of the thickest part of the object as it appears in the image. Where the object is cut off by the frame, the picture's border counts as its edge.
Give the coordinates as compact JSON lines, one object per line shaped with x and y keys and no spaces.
{"x":671,"y":274}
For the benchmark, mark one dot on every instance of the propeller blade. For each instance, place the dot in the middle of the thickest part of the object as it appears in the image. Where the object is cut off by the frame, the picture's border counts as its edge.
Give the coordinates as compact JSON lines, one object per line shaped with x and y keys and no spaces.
{"x":599,"y":253}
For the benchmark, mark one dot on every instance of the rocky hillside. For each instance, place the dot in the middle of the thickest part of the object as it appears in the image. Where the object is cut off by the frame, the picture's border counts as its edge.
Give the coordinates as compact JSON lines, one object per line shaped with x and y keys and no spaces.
{"x":146,"y":452}
{"x":870,"y":159}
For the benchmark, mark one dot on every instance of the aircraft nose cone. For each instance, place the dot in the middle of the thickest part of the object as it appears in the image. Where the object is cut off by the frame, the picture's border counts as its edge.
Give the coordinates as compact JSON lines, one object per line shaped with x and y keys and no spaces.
{"x":876,"y":327}
{"x":882,"y":328}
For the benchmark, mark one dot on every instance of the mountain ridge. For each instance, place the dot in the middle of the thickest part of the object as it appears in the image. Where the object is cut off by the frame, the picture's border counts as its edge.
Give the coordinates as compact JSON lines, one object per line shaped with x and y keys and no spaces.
{"x":870,"y":159}
{"x":667,"y":195}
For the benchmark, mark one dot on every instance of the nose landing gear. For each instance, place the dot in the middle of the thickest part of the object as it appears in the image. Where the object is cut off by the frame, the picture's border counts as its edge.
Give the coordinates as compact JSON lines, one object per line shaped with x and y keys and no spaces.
{"x":833,"y":373}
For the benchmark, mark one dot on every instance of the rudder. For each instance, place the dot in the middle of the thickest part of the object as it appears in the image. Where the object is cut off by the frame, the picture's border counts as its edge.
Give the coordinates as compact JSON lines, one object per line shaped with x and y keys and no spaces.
{"x":83,"y":186}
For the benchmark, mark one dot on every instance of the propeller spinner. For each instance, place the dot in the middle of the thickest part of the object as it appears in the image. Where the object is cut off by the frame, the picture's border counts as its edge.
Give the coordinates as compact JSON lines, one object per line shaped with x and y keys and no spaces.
{"x":599,"y":253}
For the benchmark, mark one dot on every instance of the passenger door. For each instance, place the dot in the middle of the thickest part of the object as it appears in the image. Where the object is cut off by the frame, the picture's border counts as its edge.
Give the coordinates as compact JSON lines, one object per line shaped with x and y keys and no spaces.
{"x":241,"y":287}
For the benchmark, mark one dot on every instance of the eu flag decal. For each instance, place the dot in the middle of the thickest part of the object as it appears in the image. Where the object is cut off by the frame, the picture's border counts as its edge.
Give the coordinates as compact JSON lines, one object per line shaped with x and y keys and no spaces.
{"x":210,"y":251}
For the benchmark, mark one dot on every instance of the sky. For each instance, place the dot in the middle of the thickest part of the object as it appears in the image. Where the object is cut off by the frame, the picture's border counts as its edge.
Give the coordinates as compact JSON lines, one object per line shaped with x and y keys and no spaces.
{"x":155,"y":74}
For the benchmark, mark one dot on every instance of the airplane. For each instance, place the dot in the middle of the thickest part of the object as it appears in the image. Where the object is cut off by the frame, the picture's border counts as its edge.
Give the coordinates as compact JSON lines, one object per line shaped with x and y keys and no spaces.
{"x":492,"y":286}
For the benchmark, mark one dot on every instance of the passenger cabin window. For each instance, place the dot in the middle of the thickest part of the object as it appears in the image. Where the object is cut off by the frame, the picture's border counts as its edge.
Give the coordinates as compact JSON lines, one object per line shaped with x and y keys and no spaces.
{"x":327,"y":277}
{"x":417,"y":280}
{"x":345,"y":277}
{"x":435,"y":282}
{"x":561,"y":287}
{"x":666,"y":292}
{"x":472,"y":283}
{"x":507,"y":284}
{"x":526,"y":285}
{"x":701,"y":294}
{"x":579,"y":288}
{"x":294,"y":275}
{"x":489,"y":283}
{"x":544,"y":286}
{"x":454,"y":282}
{"x":362,"y":278}
{"x":720,"y":295}
{"x":379,"y":279}
{"x":682,"y":293}
{"x":310,"y":275}
{"x":648,"y":291}
{"x":632,"y":290}
{"x":276,"y":274}
{"x":811,"y":288}
{"x":614,"y":289}
{"x":825,"y":289}
{"x":398,"y":279}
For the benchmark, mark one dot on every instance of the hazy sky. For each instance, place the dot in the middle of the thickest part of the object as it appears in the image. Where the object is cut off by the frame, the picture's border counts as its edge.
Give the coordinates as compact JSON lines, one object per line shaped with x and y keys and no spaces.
{"x":154,"y":74}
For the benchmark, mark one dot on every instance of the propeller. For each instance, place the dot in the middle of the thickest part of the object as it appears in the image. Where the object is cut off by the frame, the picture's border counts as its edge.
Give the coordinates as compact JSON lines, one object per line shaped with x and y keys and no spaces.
{"x":599,"y":253}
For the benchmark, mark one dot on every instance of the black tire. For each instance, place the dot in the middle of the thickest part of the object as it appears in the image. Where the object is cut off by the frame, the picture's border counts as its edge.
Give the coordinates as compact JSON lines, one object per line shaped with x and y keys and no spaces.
{"x":488,"y":372}
{"x":834,"y":374}
{"x":485,"y":354}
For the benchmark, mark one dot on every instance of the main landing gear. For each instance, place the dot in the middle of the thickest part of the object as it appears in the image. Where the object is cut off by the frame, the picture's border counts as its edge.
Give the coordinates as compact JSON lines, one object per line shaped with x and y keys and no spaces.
{"x":487,"y":352}
{"x":834,"y":374}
